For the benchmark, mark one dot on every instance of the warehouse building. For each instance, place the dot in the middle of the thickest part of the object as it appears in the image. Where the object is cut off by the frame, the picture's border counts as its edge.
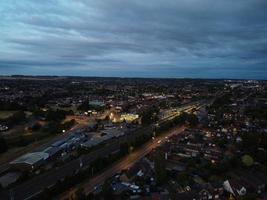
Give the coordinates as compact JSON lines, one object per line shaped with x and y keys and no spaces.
{"x":30,"y":161}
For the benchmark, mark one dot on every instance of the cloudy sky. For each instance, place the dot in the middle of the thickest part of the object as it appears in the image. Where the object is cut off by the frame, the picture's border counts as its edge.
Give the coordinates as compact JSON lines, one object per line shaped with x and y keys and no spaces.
{"x":134,"y":38}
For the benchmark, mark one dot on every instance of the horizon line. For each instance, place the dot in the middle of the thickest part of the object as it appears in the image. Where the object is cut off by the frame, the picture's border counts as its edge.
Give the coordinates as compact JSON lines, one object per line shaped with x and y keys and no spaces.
{"x":128,"y":77}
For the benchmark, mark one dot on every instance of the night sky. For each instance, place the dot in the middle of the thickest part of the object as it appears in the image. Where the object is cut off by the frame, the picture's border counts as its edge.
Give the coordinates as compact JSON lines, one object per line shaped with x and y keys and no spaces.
{"x":134,"y":38}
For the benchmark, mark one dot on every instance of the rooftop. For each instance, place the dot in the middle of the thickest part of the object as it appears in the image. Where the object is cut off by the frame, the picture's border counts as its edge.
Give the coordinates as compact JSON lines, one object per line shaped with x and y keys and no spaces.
{"x":31,"y":158}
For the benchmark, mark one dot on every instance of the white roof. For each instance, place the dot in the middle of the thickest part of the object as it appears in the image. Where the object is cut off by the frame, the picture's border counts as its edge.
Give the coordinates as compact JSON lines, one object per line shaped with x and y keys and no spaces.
{"x":31,"y":158}
{"x":113,"y":132}
{"x":93,"y":142}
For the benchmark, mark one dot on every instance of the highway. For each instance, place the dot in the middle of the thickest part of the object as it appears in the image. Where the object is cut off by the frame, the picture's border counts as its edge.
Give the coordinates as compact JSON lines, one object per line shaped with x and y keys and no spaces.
{"x":126,"y":162}
{"x":32,"y":187}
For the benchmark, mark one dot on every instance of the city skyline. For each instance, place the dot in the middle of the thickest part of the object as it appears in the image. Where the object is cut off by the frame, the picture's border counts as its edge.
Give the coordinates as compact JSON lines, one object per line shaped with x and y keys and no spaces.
{"x":164,"y":39}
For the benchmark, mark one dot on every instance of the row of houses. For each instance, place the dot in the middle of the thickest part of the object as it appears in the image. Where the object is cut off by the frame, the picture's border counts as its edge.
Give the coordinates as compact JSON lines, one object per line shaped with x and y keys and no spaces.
{"x":245,"y":183}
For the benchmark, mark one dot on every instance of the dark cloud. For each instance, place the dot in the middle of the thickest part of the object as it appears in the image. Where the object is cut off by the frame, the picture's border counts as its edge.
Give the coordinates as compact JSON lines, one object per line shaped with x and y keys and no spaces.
{"x":193,"y":38}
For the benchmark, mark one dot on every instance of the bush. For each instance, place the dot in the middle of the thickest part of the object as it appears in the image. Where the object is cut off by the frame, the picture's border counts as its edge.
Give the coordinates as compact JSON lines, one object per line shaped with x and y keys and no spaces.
{"x":3,"y":145}
{"x":247,"y":160}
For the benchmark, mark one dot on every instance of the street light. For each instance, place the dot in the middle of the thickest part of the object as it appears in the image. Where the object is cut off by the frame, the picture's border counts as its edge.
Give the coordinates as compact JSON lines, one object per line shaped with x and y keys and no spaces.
{"x":131,"y":149}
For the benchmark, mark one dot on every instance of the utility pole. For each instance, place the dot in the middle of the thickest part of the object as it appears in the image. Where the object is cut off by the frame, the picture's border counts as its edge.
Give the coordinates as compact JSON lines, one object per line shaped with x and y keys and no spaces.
{"x":81,"y":163}
{"x":11,"y":194}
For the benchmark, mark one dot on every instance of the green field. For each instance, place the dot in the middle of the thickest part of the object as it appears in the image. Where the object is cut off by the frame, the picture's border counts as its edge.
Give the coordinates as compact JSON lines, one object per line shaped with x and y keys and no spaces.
{"x":6,"y":114}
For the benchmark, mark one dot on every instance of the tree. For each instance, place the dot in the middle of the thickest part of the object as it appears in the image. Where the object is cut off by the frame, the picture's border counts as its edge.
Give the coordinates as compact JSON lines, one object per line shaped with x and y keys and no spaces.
{"x":35,"y":127}
{"x":16,"y":118}
{"x":247,"y":160}
{"x":160,"y":170}
{"x":192,"y":120}
{"x":107,"y":191}
{"x":57,"y":115}
{"x":249,"y":196}
{"x":45,"y":194}
{"x":150,"y":115}
{"x":250,"y":142}
{"x":53,"y":127}
{"x":67,"y":125}
{"x":3,"y":145}
{"x":7,"y":105}
{"x":79,"y":194}
{"x":183,"y":178}
{"x":124,"y":148}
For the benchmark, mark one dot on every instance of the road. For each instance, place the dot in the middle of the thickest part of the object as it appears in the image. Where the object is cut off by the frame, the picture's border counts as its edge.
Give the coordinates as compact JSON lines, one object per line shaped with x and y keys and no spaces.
{"x":37,"y":146}
{"x":127,"y":161}
{"x":32,"y":187}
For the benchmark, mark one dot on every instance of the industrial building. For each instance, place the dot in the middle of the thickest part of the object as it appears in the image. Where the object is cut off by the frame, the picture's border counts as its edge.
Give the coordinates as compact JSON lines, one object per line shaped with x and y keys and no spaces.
{"x":30,"y":161}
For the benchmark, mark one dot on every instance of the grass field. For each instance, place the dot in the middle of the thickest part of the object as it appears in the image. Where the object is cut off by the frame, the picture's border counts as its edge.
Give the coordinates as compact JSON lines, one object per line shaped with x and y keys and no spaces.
{"x":6,"y":114}
{"x":13,"y":153}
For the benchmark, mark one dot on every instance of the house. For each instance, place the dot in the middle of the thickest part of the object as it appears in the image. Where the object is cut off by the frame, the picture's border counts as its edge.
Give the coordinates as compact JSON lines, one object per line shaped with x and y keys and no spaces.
{"x":186,"y":196}
{"x":235,"y":187}
{"x":205,"y":194}
{"x":140,"y":169}
{"x":119,"y":188}
{"x":210,"y":191}
{"x":256,"y":182}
